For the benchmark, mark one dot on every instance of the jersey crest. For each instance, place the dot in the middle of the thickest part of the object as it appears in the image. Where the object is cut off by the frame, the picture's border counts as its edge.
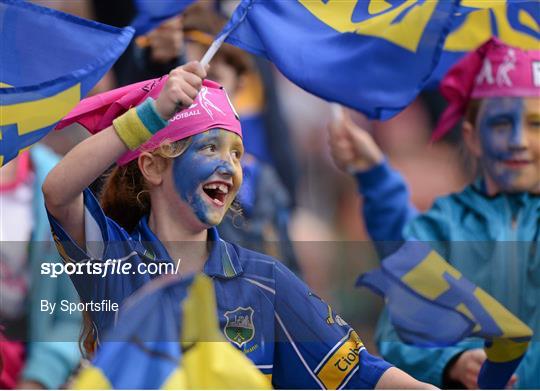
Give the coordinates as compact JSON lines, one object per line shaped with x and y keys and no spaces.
{"x":239,"y":328}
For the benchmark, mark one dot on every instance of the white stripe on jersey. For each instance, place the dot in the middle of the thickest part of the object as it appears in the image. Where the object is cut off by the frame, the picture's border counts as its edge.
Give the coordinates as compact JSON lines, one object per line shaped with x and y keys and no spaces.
{"x":257,"y":283}
{"x":298,"y":352}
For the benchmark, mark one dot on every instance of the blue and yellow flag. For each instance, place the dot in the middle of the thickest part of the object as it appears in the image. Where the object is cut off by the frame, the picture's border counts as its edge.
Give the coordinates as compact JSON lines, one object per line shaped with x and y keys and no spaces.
{"x":371,"y":55}
{"x":168,"y":337}
{"x":430,"y":303}
{"x":515,"y":22}
{"x":151,"y":13}
{"x":49,"y":60}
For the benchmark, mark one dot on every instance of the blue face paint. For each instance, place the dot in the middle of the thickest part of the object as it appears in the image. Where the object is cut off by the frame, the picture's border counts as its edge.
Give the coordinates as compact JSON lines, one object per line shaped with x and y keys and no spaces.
{"x":500,"y":125}
{"x":195,"y":166}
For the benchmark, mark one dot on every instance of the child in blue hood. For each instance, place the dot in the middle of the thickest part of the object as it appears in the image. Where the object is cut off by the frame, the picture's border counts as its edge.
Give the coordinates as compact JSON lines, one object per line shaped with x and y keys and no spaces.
{"x":491,"y":229}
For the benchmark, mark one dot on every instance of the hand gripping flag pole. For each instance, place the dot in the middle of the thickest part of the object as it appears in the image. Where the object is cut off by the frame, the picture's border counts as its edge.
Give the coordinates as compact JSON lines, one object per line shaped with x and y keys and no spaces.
{"x":431,"y":304}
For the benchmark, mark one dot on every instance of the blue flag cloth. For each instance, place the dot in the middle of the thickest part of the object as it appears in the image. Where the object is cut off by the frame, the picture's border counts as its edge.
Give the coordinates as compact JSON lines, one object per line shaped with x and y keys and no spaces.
{"x":49,"y":60}
{"x":142,"y":353}
{"x":168,"y":337}
{"x":374,"y":56}
{"x":431,"y":304}
{"x":254,"y":137}
{"x":515,"y":22}
{"x":151,"y":13}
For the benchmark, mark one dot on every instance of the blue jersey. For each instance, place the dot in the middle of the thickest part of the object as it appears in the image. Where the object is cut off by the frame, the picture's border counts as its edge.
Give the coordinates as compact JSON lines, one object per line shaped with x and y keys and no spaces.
{"x":264,"y":309}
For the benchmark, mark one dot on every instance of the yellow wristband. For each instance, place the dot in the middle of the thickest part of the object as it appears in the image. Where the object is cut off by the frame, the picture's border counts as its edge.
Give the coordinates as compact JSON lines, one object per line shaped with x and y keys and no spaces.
{"x":131,"y":129}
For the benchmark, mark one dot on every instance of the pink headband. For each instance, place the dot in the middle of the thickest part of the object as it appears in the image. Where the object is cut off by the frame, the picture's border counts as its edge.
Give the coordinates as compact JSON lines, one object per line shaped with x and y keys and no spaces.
{"x":211,"y":109}
{"x":493,"y":70}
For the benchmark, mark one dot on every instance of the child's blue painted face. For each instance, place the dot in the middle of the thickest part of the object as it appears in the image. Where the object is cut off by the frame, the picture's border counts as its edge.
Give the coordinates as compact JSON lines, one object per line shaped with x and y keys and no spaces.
{"x":208,"y":174}
{"x":508,"y":128}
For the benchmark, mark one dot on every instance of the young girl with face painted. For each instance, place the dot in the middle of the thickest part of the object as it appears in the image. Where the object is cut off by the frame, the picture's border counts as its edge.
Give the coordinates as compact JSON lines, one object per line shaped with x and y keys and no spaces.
{"x":489,"y":231}
{"x":177,"y":143}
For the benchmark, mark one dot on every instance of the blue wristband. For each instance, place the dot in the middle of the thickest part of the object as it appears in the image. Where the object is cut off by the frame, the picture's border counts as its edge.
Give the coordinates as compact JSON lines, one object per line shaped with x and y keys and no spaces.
{"x":149,"y":116}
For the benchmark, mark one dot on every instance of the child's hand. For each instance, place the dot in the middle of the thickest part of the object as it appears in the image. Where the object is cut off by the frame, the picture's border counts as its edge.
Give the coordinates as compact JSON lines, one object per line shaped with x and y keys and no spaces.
{"x":166,"y":40}
{"x":352,"y":148}
{"x":181,"y":89}
{"x":466,"y":368}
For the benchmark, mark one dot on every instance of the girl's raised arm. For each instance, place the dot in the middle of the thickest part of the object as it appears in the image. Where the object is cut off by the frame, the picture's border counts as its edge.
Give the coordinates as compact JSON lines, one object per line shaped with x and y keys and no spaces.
{"x":395,"y":378}
{"x":64,"y":186}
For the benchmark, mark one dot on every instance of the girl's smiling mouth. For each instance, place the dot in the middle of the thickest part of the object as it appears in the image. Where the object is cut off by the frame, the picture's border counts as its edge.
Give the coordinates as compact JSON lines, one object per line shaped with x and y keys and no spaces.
{"x":217,"y":192}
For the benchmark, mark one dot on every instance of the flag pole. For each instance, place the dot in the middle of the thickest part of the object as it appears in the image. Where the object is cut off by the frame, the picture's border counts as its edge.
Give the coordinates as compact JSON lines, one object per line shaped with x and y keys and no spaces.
{"x":337,"y":111}
{"x":212,"y":50}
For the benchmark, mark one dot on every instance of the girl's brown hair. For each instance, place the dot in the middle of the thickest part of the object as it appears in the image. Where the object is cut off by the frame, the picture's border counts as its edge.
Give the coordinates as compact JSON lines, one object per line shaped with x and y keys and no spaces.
{"x":468,"y":161}
{"x":125,"y":197}
{"x":471,"y":113}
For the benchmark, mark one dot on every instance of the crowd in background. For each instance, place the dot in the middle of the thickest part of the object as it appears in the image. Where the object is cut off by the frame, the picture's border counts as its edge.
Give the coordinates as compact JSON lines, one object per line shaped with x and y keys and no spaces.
{"x":326,"y":241}
{"x":322,"y":196}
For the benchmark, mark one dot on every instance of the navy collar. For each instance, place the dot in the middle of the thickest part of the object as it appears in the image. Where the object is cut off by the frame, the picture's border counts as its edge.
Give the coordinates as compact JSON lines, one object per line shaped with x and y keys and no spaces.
{"x":222,"y":262}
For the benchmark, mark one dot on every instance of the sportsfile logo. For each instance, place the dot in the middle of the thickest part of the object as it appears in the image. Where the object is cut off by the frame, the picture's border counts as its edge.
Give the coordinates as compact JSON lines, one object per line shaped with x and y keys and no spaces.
{"x":108,"y":268}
